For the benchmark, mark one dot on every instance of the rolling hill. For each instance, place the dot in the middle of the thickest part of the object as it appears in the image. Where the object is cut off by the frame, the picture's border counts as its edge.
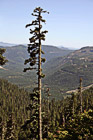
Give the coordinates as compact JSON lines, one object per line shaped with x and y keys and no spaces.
{"x":63,"y":68}
{"x":13,"y":70}
{"x":63,"y":73}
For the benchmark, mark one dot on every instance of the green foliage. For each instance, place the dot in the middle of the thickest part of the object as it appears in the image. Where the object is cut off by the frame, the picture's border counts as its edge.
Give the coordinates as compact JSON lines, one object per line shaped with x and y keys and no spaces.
{"x":12,"y":100}
{"x":30,"y":127}
{"x":63,"y":73}
{"x":16,"y":101}
{"x":2,"y":59}
{"x":77,"y":126}
{"x":80,"y":126}
{"x":14,"y":68}
{"x":10,"y":129}
{"x":35,"y":40}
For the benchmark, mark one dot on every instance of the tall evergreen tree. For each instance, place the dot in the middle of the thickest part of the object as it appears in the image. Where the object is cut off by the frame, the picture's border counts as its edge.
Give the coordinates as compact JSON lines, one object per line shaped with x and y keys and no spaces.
{"x":35,"y":60}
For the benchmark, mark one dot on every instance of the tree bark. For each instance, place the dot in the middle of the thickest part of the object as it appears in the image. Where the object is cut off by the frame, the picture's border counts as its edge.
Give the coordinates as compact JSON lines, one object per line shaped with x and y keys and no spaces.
{"x":81,"y":95}
{"x":39,"y":88}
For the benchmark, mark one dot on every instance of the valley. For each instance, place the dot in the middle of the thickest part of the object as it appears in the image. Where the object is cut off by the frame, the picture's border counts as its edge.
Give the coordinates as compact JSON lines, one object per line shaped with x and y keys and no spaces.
{"x":16,"y":55}
{"x":63,"y":68}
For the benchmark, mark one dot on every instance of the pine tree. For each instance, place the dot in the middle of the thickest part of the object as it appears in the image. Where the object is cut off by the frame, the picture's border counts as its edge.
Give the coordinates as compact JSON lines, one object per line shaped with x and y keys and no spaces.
{"x":35,"y":60}
{"x":10,"y":134}
{"x":46,"y":121}
{"x":0,"y":128}
{"x":2,"y":59}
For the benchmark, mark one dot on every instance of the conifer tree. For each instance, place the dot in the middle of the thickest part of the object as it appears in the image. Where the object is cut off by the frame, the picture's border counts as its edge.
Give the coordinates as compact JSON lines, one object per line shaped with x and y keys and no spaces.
{"x":46,"y":122}
{"x":10,"y":134}
{"x":2,"y":58}
{"x":35,"y":51}
{"x":0,"y":128}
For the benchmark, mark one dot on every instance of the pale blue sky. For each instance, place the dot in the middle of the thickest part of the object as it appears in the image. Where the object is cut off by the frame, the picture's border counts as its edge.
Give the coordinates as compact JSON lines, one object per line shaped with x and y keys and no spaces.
{"x":69,"y":24}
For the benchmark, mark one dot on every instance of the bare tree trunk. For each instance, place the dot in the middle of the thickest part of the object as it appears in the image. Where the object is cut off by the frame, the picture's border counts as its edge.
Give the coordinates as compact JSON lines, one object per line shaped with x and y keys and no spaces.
{"x":48,"y":110}
{"x":87,"y":104}
{"x":39,"y":88}
{"x":81,"y":95}
{"x":73,"y":107}
{"x":63,"y":120}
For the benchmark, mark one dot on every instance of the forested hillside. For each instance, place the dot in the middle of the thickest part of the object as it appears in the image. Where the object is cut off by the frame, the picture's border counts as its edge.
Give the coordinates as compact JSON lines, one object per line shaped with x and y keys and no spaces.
{"x":13,"y":103}
{"x":13,"y":70}
{"x":63,"y":73}
{"x":61,"y":118}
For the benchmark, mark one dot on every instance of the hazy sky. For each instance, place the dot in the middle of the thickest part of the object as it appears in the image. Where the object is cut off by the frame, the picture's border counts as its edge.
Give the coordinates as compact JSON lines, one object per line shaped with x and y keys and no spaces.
{"x":69,"y":24}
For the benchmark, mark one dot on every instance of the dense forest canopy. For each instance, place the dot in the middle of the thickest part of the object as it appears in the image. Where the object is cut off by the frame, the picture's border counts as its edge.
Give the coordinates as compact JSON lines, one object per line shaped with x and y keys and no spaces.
{"x":57,"y":115}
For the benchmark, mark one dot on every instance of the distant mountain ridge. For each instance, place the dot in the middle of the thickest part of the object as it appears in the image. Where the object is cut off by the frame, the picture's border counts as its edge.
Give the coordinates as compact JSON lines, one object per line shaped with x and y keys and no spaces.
{"x":3,"y":44}
{"x":21,"y":51}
